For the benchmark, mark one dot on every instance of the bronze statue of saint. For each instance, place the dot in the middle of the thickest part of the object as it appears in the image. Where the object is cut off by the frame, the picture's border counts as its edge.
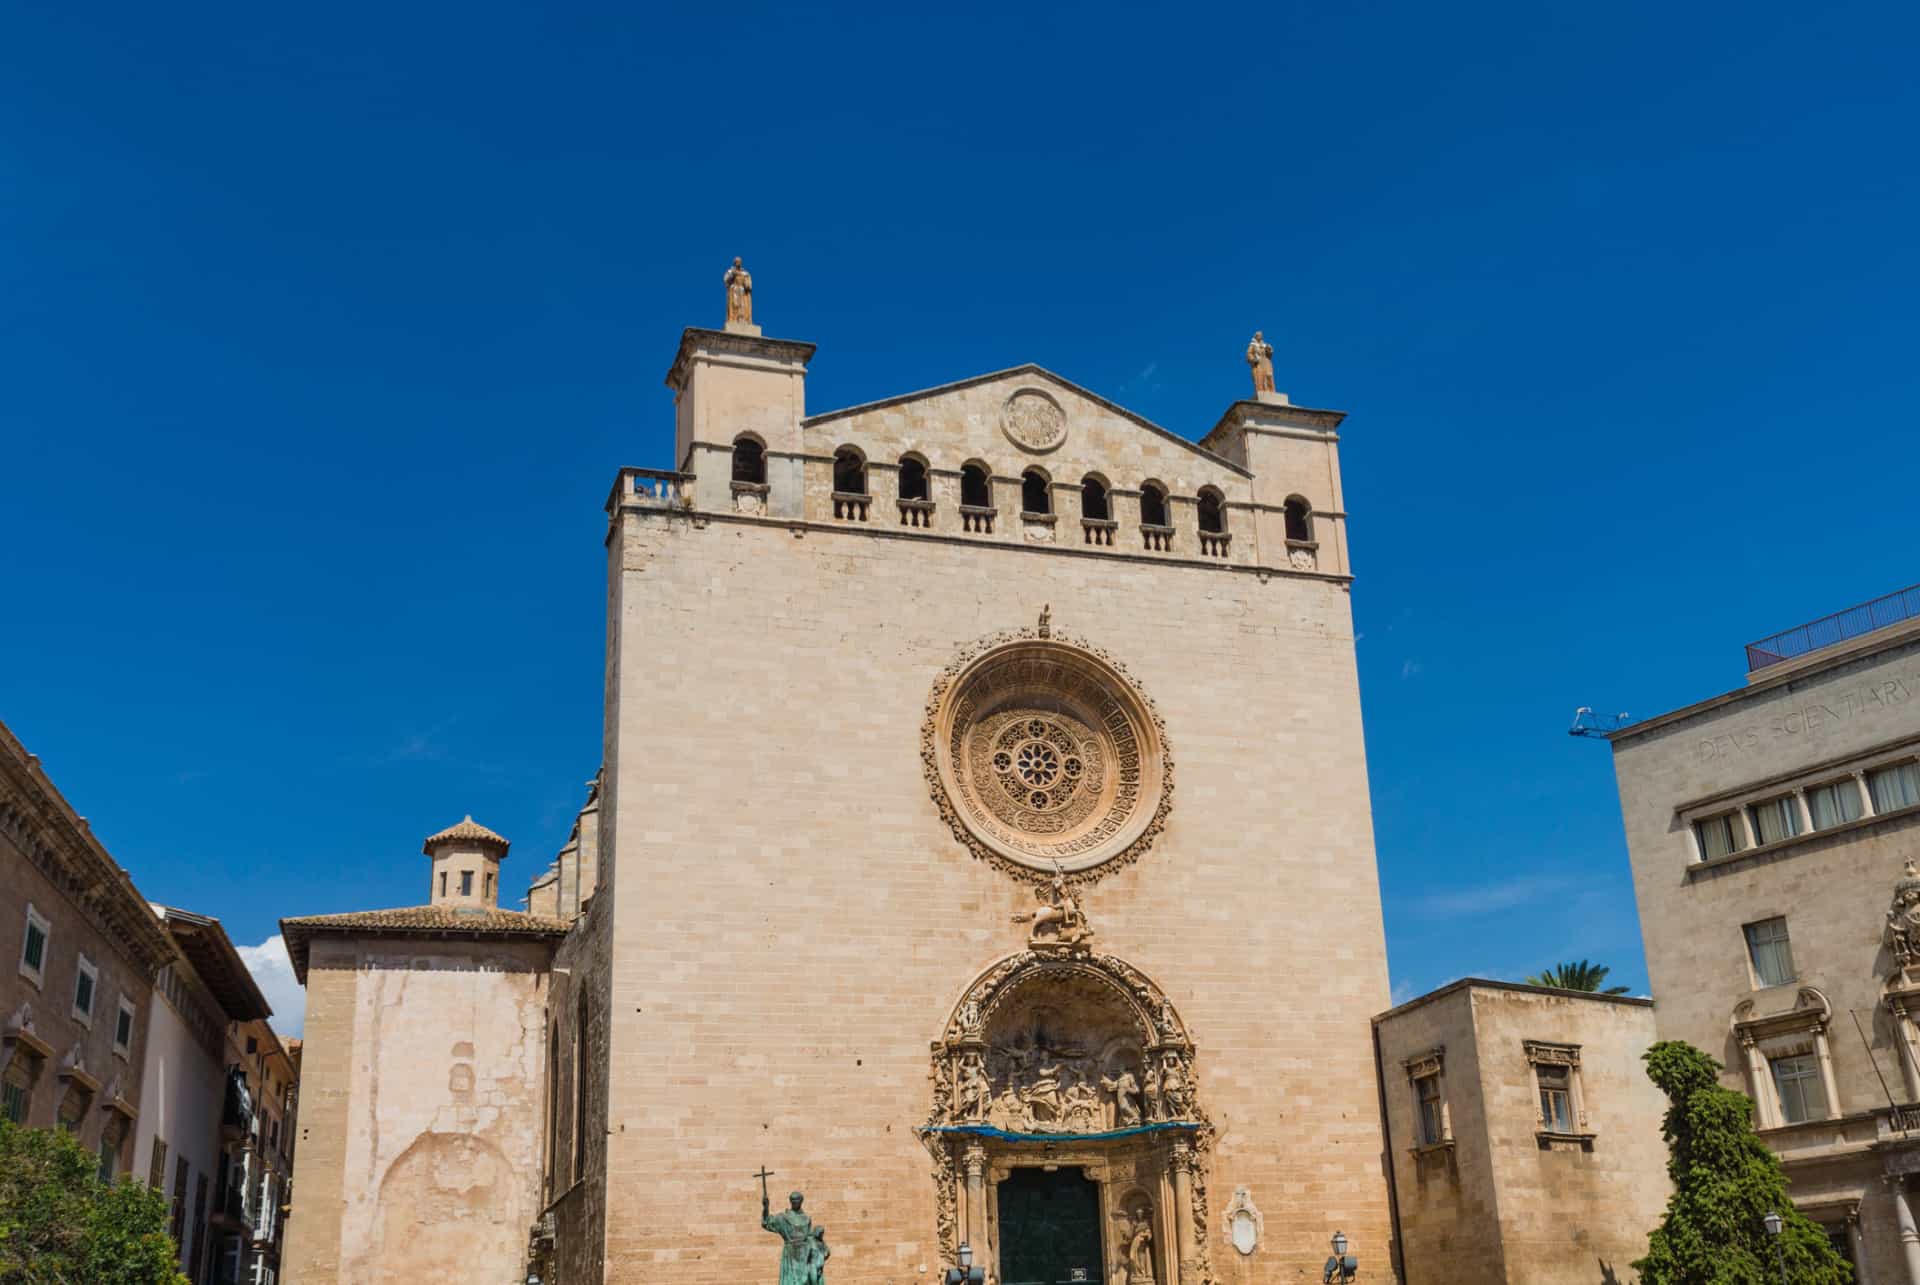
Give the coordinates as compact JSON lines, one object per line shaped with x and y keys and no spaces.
{"x":1259,"y":356}
{"x":795,"y":1230}
{"x":740,"y":293}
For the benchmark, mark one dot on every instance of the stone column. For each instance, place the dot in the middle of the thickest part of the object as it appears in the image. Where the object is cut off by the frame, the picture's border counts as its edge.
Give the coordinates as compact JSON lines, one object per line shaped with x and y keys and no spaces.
{"x":1856,"y":1246}
{"x":1181,"y":1260}
{"x":1762,"y":1089}
{"x":1909,"y":1233}
{"x":1824,"y":1053}
{"x":976,"y":1218}
{"x":1903,"y":1038}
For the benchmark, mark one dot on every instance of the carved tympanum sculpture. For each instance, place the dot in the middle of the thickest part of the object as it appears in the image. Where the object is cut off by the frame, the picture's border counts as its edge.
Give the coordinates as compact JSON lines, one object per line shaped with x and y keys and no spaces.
{"x":1260,"y":357}
{"x":739,"y":293}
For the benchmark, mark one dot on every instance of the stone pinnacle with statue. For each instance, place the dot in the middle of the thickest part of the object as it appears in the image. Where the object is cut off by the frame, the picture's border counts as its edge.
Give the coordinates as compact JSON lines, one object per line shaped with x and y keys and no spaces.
{"x":803,"y":1250}
{"x":739,"y":284}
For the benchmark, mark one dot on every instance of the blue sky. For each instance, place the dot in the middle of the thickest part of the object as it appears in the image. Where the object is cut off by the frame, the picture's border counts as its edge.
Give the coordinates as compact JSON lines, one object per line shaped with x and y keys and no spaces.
{"x":324,"y":332}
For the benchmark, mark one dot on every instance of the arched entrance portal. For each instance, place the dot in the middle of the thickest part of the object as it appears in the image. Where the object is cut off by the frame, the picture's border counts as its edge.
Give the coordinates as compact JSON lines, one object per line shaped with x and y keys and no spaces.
{"x":1067,"y":1134}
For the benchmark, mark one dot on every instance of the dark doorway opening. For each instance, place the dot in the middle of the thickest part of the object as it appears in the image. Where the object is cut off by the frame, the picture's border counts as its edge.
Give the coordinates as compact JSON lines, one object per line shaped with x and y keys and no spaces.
{"x":1050,"y":1229}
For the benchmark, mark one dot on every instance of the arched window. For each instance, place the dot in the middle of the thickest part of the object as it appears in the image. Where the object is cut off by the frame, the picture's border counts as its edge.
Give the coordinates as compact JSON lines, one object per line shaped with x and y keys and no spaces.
{"x":913,"y":478}
{"x":553,"y":1109}
{"x":1213,"y":511}
{"x":580,"y":1046}
{"x":849,"y":472}
{"x":975,"y":491}
{"x":1093,"y":498}
{"x":1299,"y":519}
{"x":1036,"y":496}
{"x":1153,"y":504}
{"x":749,"y":460}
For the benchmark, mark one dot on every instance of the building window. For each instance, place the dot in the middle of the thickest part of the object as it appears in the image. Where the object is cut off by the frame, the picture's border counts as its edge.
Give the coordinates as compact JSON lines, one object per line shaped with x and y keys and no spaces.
{"x":73,"y":1107}
{"x":1797,"y":1086}
{"x":1719,"y":836}
{"x":976,"y":491}
{"x":110,"y":1134}
{"x":749,"y":461}
{"x":1770,"y":951}
{"x":1093,"y":499}
{"x":466,"y":883}
{"x":199,"y":1254}
{"x":1432,"y":1128}
{"x":486,"y":885}
{"x":16,"y":1084}
{"x":849,"y":472}
{"x":1556,"y":1098}
{"x":443,"y":883}
{"x":1895,"y":787}
{"x":1153,"y":504}
{"x":1213,"y":512}
{"x":1556,"y":1079}
{"x":157,"y":1167}
{"x":1835,"y":803}
{"x":86,"y":981}
{"x":1299,"y":520}
{"x":913,"y":478}
{"x":1776,"y":820}
{"x":33,"y":951}
{"x":1036,"y":495}
{"x":178,"y":1213}
{"x":123,"y":1029}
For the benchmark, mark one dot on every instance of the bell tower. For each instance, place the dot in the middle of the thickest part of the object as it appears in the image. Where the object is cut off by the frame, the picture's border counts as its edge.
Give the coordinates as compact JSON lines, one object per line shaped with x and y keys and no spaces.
{"x":466,"y":866}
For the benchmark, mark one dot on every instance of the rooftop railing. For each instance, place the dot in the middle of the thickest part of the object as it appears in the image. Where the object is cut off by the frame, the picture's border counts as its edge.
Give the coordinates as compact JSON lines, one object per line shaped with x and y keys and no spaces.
{"x":1841,"y":626}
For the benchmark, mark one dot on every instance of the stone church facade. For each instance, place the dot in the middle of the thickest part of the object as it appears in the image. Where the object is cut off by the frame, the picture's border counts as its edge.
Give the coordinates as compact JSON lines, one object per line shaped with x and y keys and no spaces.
{"x":981,"y":845}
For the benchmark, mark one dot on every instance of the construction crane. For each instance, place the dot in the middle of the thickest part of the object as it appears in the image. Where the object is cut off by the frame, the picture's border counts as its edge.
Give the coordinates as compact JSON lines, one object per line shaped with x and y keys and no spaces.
{"x":1598,"y":726}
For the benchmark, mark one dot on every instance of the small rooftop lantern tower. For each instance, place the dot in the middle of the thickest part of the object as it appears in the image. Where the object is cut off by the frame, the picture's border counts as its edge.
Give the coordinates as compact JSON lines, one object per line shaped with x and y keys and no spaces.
{"x":466,"y":866}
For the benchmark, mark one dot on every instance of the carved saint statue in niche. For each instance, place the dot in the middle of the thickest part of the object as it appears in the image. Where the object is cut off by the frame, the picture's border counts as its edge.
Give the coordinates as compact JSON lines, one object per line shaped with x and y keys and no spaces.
{"x":1260,"y":357}
{"x":976,"y":1091}
{"x":1139,"y":1260}
{"x":739,"y":293}
{"x":1174,"y":1097}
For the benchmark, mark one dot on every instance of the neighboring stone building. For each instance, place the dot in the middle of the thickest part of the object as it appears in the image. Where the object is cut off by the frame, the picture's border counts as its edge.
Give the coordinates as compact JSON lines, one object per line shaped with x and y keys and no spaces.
{"x":200,"y":992}
{"x":74,"y":1009}
{"x":1769,"y":830}
{"x":423,"y":1066}
{"x":885,"y":883}
{"x":1523,"y":1134}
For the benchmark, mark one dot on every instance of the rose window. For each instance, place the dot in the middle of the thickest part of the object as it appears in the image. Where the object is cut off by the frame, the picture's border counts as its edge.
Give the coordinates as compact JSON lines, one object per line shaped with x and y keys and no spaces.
{"x":1047,"y":756}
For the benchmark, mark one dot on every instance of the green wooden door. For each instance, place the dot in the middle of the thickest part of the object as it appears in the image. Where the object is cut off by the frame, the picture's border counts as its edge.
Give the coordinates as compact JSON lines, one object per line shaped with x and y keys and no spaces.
{"x":1050,"y":1229}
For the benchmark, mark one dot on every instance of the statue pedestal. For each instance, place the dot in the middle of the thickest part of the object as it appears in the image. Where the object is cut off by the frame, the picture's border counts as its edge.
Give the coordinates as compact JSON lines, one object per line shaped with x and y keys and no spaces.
{"x":1272,"y":399}
{"x":743,"y":328}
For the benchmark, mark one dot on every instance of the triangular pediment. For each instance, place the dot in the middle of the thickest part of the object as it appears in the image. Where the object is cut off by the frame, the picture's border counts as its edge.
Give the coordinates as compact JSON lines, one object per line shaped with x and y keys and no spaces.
{"x":1003,"y":418}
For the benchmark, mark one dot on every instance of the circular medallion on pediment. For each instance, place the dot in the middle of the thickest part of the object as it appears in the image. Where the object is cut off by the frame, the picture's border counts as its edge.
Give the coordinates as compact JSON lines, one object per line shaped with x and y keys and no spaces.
{"x":1033,"y":421}
{"x":1041,"y":752}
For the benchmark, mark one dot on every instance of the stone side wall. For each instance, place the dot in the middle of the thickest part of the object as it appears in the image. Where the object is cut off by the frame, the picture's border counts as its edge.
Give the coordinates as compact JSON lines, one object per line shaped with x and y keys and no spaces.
{"x":1570,"y":1215}
{"x":73,"y":933}
{"x":794,"y":922}
{"x":1833,"y":890}
{"x":1499,"y":1205}
{"x":581,"y":966}
{"x":423,"y":1109}
{"x":1448,"y":1205}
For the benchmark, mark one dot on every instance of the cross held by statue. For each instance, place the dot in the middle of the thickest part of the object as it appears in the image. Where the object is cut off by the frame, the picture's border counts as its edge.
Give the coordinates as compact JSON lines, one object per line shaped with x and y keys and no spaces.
{"x":764,"y":1174}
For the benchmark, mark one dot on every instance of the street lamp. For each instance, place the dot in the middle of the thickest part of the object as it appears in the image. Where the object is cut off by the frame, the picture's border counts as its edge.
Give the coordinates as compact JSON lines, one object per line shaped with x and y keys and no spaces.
{"x":1775,"y":1224}
{"x":1340,"y":1267}
{"x":966,"y":1273}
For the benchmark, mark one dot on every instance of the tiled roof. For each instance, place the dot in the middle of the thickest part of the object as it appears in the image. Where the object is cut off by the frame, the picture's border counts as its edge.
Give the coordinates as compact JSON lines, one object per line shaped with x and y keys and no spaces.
{"x":467,"y":829}
{"x":424,"y":921}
